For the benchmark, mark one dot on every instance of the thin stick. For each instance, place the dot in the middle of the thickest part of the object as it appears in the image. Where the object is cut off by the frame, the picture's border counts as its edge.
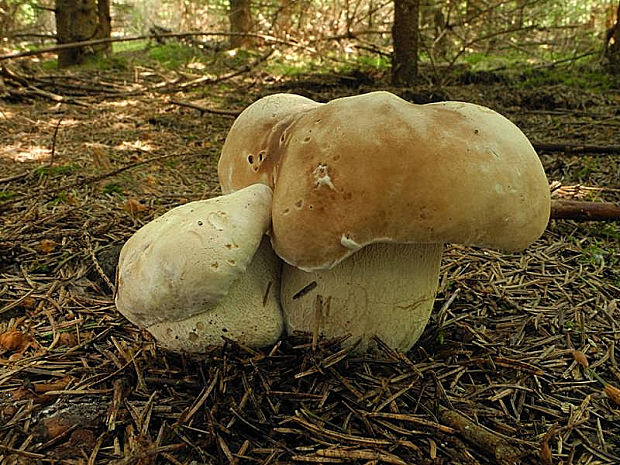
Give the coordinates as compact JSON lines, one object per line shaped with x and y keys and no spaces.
{"x":201,"y":109}
{"x":56,"y":48}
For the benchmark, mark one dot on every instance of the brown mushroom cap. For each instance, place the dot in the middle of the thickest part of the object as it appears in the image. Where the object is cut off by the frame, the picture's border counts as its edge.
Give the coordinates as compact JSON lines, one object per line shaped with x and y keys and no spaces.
{"x":374,"y":168}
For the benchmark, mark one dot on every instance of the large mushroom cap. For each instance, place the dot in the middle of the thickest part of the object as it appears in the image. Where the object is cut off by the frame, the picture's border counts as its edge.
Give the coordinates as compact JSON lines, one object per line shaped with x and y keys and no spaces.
{"x":375,"y":168}
{"x":194,"y":274}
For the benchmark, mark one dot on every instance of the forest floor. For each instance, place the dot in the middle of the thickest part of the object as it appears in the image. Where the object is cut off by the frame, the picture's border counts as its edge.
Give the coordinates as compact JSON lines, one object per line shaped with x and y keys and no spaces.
{"x":503,"y":373}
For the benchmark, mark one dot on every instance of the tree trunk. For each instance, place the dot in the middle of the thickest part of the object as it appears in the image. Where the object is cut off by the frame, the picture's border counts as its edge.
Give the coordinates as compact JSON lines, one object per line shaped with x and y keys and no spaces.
{"x":405,"y":38}
{"x":240,"y":17}
{"x":284,"y":18}
{"x":79,"y":20}
{"x":612,"y":45}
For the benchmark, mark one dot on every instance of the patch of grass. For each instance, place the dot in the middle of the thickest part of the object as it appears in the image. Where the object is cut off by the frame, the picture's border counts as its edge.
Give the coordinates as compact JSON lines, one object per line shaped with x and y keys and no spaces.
{"x":585,"y":78}
{"x":41,"y":268}
{"x":608,"y":231}
{"x":289,"y":68}
{"x":6,"y":195}
{"x":590,"y":165}
{"x":56,"y":170}
{"x":112,"y":188}
{"x":593,"y":254}
{"x":60,"y":198}
{"x":129,"y":47}
{"x":173,"y":55}
{"x":49,"y":65}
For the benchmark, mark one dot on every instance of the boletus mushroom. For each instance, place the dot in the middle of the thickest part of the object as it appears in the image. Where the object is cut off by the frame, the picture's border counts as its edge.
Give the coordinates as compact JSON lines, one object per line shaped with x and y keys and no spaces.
{"x":202,"y":271}
{"x":367,"y":189}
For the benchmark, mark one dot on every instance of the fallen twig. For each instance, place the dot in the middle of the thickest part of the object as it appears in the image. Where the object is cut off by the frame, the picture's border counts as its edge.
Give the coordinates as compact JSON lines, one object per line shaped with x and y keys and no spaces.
{"x":574,"y":148}
{"x":501,"y":449}
{"x":201,"y":109}
{"x":584,"y":211}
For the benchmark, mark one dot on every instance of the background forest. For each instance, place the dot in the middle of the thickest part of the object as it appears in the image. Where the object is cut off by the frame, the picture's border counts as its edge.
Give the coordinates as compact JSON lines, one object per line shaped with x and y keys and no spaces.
{"x":519,"y":361}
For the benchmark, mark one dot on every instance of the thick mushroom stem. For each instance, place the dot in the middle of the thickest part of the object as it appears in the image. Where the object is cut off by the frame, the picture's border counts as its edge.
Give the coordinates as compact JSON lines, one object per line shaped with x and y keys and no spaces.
{"x":384,"y":290}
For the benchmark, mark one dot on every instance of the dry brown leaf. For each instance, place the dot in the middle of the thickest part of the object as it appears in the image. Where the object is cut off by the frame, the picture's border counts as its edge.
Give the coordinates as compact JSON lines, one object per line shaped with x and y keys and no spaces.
{"x":15,"y":341}
{"x":29,"y":303}
{"x":134,"y":206}
{"x":53,"y":427}
{"x":67,"y":339}
{"x":581,"y":358}
{"x":100,"y":157}
{"x":59,"y":385}
{"x":150,"y":179}
{"x":545,"y":452}
{"x":47,"y":246}
{"x":613,"y":393}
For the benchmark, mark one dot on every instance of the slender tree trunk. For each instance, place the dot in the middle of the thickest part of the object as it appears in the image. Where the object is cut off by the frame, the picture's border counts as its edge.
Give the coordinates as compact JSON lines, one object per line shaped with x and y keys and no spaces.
{"x":240,"y":17}
{"x":78,"y":20}
{"x":612,"y":45}
{"x":405,"y":38}
{"x":284,"y":17}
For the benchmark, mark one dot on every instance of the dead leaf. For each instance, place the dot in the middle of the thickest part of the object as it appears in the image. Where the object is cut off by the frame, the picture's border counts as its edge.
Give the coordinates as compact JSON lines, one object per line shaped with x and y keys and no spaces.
{"x":53,"y":427}
{"x":67,"y":339}
{"x":47,"y":246}
{"x":42,"y":388}
{"x":15,"y":341}
{"x":545,"y":452}
{"x":100,"y":157}
{"x":29,"y":303}
{"x":150,"y":179}
{"x":134,"y":206}
{"x":613,"y":393}
{"x":581,"y":358}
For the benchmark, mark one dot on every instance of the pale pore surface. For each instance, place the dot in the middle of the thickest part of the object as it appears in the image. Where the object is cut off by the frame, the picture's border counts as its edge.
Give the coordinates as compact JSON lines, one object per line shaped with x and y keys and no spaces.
{"x":249,"y":313}
{"x":184,"y":262}
{"x":382,"y":290}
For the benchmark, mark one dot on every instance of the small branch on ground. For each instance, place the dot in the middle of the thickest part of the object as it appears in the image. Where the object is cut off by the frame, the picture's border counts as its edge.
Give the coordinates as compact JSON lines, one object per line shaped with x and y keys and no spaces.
{"x":496,"y":445}
{"x":28,"y":88}
{"x":584,"y":211}
{"x":202,"y":110}
{"x":574,"y":148}
{"x":212,"y":80}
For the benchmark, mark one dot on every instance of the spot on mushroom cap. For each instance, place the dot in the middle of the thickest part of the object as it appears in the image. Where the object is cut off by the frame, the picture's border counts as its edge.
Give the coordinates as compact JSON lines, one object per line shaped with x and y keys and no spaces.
{"x":185,"y":261}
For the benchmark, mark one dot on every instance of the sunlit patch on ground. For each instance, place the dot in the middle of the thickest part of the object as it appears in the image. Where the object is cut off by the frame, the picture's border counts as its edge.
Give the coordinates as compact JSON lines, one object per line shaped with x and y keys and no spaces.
{"x":22,"y":154}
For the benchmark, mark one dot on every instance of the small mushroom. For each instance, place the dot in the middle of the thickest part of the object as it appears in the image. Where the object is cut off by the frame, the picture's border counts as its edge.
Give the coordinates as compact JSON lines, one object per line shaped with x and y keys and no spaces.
{"x":367,"y":190}
{"x":200,"y":272}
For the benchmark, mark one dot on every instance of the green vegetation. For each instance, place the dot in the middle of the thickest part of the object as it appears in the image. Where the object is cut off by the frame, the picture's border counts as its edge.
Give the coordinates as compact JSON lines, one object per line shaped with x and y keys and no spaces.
{"x":6,"y":195}
{"x":590,"y":78}
{"x":112,"y":188}
{"x":56,"y":170}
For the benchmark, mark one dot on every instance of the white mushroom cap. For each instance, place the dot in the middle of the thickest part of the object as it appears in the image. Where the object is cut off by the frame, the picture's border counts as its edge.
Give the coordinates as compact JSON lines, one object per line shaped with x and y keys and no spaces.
{"x":184,"y":265}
